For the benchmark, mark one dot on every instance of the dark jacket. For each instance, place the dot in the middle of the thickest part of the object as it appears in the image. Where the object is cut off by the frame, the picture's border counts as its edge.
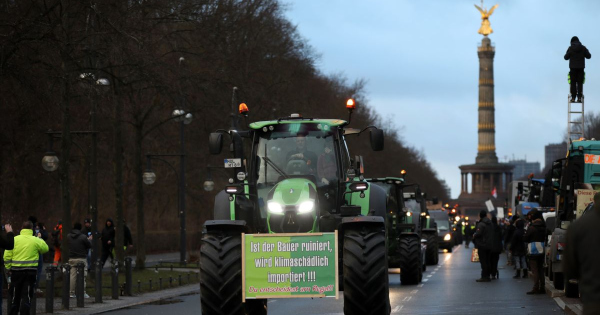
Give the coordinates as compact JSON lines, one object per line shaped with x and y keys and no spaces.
{"x":576,"y":54}
{"x":517,"y":244}
{"x":7,"y":241}
{"x":79,"y":244}
{"x":497,"y":239}
{"x":108,"y":234}
{"x":510,"y":231}
{"x":484,"y":235}
{"x":536,"y":232}
{"x":581,"y":257}
{"x":127,"y":240}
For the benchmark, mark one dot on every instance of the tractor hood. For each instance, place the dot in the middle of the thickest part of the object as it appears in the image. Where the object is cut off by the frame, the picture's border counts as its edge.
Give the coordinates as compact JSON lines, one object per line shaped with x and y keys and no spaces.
{"x":292,"y":192}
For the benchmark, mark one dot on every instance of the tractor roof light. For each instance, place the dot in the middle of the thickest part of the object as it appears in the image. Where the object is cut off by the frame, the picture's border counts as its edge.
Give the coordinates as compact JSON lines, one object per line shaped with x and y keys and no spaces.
{"x":243,"y":108}
{"x":409,"y":214}
{"x":350,"y":104}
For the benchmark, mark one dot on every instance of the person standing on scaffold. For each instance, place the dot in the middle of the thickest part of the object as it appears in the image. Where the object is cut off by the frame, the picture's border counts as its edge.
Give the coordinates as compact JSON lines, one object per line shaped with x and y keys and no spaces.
{"x":576,"y":55}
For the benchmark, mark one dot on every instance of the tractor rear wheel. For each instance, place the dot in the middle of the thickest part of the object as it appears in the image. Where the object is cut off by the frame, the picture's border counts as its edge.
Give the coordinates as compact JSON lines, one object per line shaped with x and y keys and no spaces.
{"x":366,"y":283}
{"x":431,"y":255}
{"x":410,"y":260}
{"x":221,"y":276}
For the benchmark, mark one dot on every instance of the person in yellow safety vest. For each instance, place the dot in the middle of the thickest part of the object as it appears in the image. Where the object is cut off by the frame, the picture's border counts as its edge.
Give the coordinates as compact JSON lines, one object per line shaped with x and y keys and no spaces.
{"x":21,"y":263}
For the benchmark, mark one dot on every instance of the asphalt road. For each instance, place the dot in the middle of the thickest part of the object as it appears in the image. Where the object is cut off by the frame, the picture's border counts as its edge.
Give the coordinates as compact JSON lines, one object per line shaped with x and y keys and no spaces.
{"x":448,"y":288}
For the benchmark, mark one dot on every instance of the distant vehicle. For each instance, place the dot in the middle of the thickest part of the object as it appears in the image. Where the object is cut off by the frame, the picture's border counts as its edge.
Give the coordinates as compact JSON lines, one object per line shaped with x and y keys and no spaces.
{"x":444,"y":229}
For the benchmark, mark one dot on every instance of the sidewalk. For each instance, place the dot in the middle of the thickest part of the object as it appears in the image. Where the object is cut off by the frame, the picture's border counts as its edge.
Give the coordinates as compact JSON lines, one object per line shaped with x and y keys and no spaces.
{"x":109,"y":304}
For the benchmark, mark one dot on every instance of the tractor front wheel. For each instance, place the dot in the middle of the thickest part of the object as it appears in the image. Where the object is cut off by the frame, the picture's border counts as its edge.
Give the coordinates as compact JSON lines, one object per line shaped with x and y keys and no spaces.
{"x":431,"y":255}
{"x":410,"y":260}
{"x":221,"y":276}
{"x":366,"y":283}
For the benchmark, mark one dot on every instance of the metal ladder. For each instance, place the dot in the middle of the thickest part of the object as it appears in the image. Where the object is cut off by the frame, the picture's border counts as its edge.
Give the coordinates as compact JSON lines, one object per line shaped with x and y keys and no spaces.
{"x":576,"y":120}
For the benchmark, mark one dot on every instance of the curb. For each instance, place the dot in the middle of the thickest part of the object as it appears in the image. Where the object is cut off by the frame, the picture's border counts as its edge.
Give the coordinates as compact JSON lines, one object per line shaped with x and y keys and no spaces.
{"x":127,"y":302}
{"x":566,"y":304}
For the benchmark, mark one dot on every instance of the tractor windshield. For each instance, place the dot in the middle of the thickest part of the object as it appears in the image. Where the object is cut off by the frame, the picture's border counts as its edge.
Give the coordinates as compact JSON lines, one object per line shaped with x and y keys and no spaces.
{"x":304,"y":150}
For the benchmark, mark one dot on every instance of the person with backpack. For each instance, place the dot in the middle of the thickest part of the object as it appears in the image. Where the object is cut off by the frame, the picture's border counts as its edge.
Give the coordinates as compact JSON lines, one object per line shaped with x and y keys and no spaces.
{"x":484,"y":242}
{"x":108,"y":240}
{"x":517,"y":246}
{"x":536,"y":234}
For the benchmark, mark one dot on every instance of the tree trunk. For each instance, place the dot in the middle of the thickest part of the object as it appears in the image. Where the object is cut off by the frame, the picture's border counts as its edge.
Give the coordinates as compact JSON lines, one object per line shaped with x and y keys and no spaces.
{"x":140,"y":260}
{"x":64,"y":166}
{"x":118,"y":164}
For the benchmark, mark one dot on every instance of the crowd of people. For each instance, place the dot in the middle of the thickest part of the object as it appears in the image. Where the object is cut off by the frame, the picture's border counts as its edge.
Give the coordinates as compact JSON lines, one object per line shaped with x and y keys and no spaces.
{"x":23,"y":257}
{"x":492,"y":236}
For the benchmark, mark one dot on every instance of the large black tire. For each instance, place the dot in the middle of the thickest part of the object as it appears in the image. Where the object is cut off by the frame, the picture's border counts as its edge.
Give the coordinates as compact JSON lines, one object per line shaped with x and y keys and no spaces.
{"x":366,"y":283}
{"x":431,"y":254}
{"x":571,"y":290}
{"x":221,"y":276}
{"x":410,"y":260}
{"x":450,"y":248}
{"x":558,"y":281}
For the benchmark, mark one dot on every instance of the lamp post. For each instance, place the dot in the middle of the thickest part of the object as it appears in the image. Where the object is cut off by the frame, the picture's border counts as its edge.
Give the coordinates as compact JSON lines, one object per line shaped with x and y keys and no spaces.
{"x":50,"y":160}
{"x":149,"y":177}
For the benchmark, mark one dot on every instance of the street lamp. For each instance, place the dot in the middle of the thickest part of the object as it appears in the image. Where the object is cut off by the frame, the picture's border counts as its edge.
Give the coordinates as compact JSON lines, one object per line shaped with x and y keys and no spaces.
{"x":149,"y":177}
{"x":209,"y":184}
{"x":50,"y":160}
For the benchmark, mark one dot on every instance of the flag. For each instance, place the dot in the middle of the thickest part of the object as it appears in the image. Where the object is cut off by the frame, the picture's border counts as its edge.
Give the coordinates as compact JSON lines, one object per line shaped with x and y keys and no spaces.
{"x":495,"y":193}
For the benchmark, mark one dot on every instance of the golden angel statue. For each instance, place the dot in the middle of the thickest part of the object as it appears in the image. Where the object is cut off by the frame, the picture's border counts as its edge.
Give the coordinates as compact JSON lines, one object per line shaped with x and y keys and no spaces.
{"x":485,"y":28}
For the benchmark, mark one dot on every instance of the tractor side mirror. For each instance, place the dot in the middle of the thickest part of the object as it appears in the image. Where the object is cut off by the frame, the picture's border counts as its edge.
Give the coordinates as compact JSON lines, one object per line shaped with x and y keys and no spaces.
{"x":215,"y":143}
{"x":377,"y":139}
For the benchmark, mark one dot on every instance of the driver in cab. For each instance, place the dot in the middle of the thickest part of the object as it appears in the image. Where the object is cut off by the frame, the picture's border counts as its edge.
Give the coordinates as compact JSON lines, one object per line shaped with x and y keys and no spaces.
{"x":301,"y":153}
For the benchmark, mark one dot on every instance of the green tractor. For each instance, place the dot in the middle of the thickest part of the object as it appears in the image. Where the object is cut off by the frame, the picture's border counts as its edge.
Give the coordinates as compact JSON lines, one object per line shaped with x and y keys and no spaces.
{"x":298,"y":177}
{"x":412,"y":234}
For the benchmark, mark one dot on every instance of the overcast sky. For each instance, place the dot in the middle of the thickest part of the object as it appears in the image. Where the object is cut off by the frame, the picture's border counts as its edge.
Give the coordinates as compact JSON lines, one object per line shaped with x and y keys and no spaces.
{"x":420,"y":61}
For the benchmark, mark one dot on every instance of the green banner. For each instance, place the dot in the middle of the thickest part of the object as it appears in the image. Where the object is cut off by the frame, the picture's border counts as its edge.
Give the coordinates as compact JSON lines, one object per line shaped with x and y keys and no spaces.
{"x":289,"y":265}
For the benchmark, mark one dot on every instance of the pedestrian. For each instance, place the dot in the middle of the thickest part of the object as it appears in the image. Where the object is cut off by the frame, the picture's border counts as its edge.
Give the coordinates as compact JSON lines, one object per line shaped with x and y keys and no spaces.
{"x":517,"y":246}
{"x":21,"y":263}
{"x":581,"y":258}
{"x":7,"y":242}
{"x":510,"y":230}
{"x":87,"y":231}
{"x":79,"y":245}
{"x":108,"y":240}
{"x":468,"y":233}
{"x":496,"y":248}
{"x":127,"y":238}
{"x":57,"y":240}
{"x":576,"y":54}
{"x":536,"y":233}
{"x":483,"y":240}
{"x":41,"y":229}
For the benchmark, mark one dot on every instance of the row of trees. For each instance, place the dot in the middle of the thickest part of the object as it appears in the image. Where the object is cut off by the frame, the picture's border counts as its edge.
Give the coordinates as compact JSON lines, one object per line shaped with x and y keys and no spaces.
{"x":157,"y":55}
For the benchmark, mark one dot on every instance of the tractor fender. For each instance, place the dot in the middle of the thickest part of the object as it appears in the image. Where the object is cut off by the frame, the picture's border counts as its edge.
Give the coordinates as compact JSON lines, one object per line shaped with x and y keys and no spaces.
{"x":222,"y":206}
{"x":377,"y":201}
{"x":220,"y":225}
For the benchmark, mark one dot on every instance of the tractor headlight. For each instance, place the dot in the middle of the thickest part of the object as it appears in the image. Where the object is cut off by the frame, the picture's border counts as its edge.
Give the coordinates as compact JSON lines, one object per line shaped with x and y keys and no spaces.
{"x":275,"y":207}
{"x":306,"y":206}
{"x":447,"y":237}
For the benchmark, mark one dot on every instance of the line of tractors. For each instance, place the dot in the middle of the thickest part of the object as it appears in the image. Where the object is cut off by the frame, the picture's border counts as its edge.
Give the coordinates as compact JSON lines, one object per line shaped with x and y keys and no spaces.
{"x":296,"y":175}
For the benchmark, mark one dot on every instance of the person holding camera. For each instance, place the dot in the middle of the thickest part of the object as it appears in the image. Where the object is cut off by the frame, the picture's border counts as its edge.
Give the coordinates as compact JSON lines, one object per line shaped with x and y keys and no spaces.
{"x":22,"y":262}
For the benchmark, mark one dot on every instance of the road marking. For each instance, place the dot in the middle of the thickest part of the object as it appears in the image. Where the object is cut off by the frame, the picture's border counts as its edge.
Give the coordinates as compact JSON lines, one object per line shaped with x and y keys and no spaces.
{"x":429,"y":276}
{"x":397,"y":308}
{"x":414,"y":291}
{"x":425,"y":280}
{"x":407,"y":298}
{"x":421,"y":285}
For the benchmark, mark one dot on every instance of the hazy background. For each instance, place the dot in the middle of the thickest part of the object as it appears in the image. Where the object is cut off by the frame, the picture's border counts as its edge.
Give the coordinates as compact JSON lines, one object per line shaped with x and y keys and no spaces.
{"x":420,"y":61}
